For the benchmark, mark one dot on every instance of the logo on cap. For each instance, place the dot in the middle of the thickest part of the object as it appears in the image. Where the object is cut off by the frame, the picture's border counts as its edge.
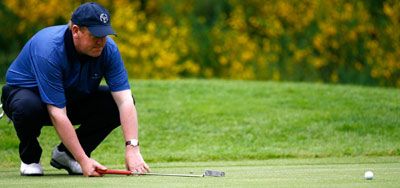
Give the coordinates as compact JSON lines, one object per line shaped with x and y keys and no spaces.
{"x":103,"y":18}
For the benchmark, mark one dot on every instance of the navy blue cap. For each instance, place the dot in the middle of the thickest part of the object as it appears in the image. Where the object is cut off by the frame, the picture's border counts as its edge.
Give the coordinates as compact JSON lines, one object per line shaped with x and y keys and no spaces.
{"x":95,"y":17}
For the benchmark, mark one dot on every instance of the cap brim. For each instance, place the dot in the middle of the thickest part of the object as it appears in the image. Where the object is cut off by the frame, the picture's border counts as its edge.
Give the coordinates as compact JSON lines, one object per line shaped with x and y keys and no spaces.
{"x":101,"y":31}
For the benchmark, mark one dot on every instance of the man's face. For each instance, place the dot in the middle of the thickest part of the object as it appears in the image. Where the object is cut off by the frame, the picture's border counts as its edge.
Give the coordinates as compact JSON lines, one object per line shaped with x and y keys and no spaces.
{"x":86,"y":43}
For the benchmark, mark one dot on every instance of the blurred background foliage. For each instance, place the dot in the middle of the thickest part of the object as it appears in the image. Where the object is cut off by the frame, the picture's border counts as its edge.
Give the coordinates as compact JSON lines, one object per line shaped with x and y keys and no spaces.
{"x":334,"y":41}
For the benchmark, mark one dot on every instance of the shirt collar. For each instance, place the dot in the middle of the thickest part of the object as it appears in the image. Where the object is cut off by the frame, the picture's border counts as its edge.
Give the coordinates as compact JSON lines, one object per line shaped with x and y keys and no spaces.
{"x":69,"y":46}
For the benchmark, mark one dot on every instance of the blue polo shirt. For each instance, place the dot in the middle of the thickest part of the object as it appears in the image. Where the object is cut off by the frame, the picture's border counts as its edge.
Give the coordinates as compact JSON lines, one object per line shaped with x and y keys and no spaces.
{"x":50,"y":63}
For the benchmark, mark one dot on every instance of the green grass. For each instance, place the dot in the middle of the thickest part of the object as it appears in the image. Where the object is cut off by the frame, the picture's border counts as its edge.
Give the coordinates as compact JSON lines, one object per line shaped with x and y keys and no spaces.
{"x":216,"y":120}
{"x":259,"y":133}
{"x":326,"y":172}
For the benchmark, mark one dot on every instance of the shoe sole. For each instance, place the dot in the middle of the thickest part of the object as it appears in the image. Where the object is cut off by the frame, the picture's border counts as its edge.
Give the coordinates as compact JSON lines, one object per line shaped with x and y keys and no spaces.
{"x":57,"y":165}
{"x":22,"y":174}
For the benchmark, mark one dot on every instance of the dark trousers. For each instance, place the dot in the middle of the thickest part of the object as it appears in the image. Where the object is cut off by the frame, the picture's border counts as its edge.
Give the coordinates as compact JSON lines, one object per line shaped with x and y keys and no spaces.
{"x":97,"y":115}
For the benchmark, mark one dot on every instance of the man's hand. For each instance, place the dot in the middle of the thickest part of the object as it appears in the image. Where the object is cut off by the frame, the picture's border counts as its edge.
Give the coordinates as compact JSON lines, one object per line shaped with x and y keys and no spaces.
{"x":89,"y":167}
{"x":129,"y":122}
{"x":68,"y":136}
{"x":134,"y":161}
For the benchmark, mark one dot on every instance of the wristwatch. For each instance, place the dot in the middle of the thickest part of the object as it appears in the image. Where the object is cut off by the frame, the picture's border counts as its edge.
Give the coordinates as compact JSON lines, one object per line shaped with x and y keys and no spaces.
{"x":132,"y":142}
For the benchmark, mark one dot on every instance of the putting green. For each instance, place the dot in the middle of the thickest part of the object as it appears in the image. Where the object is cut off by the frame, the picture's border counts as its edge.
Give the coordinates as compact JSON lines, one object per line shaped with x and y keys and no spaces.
{"x":325,"y":172}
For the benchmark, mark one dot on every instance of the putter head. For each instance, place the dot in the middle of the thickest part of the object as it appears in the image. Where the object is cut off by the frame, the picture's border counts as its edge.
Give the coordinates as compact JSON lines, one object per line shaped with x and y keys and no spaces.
{"x":214,"y":173}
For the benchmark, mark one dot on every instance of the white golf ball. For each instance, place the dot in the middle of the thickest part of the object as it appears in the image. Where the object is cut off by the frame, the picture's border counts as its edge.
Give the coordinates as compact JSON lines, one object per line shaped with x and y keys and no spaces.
{"x":369,"y":175}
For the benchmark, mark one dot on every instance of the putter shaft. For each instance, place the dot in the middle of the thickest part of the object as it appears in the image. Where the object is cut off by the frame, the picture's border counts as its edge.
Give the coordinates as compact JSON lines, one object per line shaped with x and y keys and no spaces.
{"x":176,"y":175}
{"x":127,"y":172}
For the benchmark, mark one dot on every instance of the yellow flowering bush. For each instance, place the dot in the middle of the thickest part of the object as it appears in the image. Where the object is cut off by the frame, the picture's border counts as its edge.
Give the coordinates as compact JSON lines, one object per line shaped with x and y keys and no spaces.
{"x":336,"y":41}
{"x":153,"y":48}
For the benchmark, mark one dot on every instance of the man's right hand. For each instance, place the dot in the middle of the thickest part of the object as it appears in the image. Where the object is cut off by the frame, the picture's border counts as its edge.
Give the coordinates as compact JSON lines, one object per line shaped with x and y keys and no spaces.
{"x":89,"y":167}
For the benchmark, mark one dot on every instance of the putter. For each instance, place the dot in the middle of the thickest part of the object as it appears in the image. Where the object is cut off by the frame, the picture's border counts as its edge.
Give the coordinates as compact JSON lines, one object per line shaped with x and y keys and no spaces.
{"x":212,"y":173}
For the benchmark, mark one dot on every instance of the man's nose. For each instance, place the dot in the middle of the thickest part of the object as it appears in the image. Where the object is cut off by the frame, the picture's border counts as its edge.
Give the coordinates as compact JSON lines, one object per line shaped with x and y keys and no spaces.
{"x":100,"y":40}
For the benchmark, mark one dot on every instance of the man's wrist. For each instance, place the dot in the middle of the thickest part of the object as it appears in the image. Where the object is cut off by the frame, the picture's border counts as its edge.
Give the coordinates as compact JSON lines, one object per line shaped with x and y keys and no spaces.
{"x":131,"y":149}
{"x":81,"y":159}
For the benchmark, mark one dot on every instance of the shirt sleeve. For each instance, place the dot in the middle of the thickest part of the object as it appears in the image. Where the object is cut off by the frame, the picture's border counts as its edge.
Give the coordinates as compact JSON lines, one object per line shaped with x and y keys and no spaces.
{"x":49,"y":80}
{"x":115,"y":73}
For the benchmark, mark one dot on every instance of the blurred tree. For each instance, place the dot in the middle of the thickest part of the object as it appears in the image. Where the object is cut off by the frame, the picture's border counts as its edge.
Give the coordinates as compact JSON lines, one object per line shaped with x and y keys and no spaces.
{"x":337,"y":41}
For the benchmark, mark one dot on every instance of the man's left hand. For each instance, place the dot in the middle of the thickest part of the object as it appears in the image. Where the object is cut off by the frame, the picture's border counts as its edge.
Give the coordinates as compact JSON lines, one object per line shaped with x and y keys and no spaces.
{"x":134,"y":161}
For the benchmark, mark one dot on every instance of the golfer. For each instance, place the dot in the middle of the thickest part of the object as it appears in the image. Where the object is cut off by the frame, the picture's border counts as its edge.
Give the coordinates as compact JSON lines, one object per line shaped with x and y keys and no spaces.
{"x":55,"y":80}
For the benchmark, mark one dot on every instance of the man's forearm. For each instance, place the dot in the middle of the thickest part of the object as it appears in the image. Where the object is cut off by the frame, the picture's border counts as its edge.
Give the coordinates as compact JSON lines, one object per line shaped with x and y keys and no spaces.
{"x":129,"y":125}
{"x":129,"y":122}
{"x":66,"y":132}
{"x":128,"y":114}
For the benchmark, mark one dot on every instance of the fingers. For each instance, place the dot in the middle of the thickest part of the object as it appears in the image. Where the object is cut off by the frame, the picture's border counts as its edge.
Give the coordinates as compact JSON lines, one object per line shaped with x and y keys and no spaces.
{"x":146,"y":167}
{"x":98,"y":165}
{"x":92,"y":169}
{"x":140,"y":169}
{"x":135,"y":163}
{"x":95,"y":174}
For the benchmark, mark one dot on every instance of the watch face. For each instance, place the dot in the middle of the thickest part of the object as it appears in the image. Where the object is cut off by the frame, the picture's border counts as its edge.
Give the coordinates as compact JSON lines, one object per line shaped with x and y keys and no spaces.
{"x":134,"y":142}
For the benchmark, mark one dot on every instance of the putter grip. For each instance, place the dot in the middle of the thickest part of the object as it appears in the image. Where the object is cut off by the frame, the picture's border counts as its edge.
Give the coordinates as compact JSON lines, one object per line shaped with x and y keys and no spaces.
{"x":108,"y":171}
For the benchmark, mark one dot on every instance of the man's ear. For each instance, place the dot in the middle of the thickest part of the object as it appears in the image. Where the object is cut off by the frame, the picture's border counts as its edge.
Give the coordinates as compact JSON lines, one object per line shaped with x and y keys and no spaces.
{"x":75,"y":30}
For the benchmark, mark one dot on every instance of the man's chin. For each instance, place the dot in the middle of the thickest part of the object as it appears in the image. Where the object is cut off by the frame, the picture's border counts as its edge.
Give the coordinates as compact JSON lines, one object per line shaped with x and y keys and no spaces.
{"x":94,"y":54}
